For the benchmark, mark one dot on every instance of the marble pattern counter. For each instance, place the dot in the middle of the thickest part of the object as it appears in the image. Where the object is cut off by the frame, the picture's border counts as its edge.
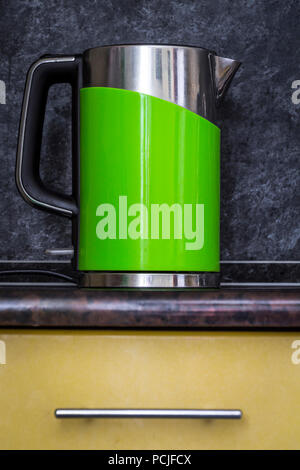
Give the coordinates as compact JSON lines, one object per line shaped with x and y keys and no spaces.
{"x":71,"y":307}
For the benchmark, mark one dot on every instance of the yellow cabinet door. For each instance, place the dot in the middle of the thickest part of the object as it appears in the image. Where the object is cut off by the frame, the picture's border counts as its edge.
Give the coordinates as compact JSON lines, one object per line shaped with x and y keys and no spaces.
{"x":257,"y":372}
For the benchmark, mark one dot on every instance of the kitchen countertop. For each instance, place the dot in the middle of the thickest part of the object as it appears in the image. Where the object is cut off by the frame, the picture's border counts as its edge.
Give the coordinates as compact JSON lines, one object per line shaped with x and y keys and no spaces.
{"x":71,"y":307}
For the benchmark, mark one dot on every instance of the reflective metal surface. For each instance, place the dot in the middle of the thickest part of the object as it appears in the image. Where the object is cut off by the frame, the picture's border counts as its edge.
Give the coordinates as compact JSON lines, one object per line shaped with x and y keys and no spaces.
{"x":60,"y":252}
{"x":2,"y":92}
{"x":191,"y":77}
{"x":147,"y":413}
{"x":148,"y":280}
{"x":223,"y":70}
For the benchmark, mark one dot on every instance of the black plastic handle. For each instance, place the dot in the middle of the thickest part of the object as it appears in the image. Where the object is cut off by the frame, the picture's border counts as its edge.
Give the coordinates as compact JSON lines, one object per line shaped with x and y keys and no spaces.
{"x":43,"y":73}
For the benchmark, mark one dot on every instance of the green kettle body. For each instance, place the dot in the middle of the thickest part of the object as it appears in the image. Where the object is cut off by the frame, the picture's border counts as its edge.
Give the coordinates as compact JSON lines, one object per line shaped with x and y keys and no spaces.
{"x":146,"y":183}
{"x":149,"y":185}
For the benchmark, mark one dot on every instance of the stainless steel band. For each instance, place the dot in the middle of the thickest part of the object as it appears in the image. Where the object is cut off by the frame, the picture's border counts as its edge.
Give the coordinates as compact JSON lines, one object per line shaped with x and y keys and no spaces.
{"x":192,"y":77}
{"x":147,"y":413}
{"x":179,"y":74}
{"x":159,"y":280}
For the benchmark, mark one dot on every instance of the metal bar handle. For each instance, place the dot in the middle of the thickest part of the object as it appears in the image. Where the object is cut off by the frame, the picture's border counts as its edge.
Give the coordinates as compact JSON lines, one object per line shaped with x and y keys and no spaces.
{"x":146,"y":413}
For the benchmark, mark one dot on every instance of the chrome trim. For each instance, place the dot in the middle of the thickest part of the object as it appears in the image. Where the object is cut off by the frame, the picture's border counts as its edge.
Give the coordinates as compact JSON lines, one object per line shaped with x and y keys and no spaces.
{"x":222,"y":284}
{"x":224,"y":70}
{"x":70,"y":252}
{"x":29,"y":261}
{"x":19,"y":162}
{"x":160,"y":280}
{"x":2,"y":92}
{"x":60,"y":251}
{"x":147,"y":413}
{"x":260,"y":284}
{"x":259,"y":262}
{"x":191,"y":77}
{"x":38,"y":284}
{"x":221,"y":262}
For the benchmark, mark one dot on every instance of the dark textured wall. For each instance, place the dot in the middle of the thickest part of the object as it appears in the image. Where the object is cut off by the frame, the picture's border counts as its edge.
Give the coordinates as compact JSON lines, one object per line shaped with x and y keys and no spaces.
{"x":260,"y":143}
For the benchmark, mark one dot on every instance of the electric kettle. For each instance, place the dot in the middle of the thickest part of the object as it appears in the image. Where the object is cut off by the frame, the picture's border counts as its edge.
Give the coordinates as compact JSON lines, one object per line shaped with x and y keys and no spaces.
{"x":145,"y":199}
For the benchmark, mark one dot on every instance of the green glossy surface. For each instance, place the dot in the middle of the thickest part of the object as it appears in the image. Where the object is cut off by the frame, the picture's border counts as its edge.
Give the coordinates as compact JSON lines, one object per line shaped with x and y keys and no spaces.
{"x":153,"y":152}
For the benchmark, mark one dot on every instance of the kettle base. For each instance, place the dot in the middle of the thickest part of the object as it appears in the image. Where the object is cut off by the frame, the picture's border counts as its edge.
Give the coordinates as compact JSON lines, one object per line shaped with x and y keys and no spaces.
{"x":148,"y":280}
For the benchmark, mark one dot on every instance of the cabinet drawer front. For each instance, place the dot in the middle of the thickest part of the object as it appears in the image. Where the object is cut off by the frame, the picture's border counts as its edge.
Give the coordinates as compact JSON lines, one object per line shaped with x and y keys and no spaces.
{"x":257,"y":373}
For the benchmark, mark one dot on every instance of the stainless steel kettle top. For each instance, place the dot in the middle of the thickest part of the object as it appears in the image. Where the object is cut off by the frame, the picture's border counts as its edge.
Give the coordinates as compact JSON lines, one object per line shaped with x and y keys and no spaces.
{"x":192,"y":77}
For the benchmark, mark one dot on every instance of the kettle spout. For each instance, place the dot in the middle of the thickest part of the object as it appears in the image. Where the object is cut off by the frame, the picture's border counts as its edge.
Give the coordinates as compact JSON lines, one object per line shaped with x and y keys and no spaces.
{"x":223,"y":71}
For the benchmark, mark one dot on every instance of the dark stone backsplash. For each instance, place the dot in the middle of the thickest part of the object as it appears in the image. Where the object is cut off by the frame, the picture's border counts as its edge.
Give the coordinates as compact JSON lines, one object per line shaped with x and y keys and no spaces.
{"x":260,"y":125}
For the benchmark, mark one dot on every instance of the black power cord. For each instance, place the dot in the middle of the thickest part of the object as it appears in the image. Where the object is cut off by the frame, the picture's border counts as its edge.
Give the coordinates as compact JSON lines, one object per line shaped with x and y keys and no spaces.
{"x":42,"y":272}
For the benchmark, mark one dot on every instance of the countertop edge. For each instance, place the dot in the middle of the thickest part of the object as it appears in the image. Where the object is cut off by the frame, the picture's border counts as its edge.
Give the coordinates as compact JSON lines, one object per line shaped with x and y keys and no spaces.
{"x":90,"y":308}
